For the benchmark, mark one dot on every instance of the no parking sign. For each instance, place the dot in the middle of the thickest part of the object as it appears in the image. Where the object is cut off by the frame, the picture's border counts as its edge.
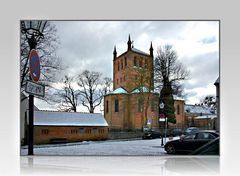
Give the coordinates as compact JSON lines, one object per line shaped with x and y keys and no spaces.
{"x":34,"y":65}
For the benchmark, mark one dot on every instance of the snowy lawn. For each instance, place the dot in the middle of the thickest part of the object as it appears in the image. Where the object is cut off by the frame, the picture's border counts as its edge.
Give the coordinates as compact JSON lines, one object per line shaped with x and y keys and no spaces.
{"x":102,"y":148}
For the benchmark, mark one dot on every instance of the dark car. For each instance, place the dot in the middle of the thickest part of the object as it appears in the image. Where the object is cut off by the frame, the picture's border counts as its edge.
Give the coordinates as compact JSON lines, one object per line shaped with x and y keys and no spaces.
{"x":189,"y":143}
{"x":151,"y":133}
{"x":191,"y":131}
{"x":174,"y":132}
{"x":210,"y":148}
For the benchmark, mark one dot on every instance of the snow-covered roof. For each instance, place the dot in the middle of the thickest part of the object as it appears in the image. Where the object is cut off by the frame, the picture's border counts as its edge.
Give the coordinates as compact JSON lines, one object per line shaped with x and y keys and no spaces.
{"x":177,"y":98}
{"x":206,"y":116}
{"x":55,"y":118}
{"x":140,"y":89}
{"x":119,"y":90}
{"x":197,"y":109}
{"x":139,"y":51}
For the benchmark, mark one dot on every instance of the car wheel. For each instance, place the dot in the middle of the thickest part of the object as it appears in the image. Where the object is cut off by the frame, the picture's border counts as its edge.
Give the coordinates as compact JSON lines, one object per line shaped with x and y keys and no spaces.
{"x":170,"y":149}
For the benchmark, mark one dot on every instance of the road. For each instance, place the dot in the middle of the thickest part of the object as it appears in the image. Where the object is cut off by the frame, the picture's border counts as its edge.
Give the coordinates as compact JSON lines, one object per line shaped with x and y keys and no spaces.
{"x":137,"y":147}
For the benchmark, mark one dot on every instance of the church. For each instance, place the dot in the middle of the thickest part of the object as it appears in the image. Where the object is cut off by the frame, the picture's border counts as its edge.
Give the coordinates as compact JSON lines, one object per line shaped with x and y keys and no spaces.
{"x":132,"y":104}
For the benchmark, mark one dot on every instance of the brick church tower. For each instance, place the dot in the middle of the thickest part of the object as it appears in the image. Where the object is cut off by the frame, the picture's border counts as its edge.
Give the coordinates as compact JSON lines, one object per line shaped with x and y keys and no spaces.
{"x":132,"y":104}
{"x":130,"y":65}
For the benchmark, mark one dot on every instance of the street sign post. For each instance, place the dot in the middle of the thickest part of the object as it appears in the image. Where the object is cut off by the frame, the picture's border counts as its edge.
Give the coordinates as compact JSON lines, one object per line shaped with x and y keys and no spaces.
{"x":35,"y":89}
{"x":34,"y":65}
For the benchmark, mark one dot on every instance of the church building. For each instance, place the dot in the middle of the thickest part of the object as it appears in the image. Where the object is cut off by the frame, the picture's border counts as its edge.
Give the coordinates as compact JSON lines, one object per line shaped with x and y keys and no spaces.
{"x":132,"y":104}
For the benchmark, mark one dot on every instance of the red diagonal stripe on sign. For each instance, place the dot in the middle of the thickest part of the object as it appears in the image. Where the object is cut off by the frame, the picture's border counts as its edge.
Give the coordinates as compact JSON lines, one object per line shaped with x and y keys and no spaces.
{"x":35,"y":65}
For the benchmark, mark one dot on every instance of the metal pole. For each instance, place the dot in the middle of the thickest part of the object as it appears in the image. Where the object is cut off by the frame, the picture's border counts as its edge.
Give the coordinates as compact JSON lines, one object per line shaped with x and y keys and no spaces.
{"x":32,"y":43}
{"x":165,"y":129}
{"x":162,"y":135}
{"x":30,"y":126}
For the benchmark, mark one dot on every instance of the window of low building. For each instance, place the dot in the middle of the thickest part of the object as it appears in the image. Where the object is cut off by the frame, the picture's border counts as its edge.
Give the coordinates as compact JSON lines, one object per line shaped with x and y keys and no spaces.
{"x":94,"y":130}
{"x":81,"y":130}
{"x":74,"y":131}
{"x":45,"y":131}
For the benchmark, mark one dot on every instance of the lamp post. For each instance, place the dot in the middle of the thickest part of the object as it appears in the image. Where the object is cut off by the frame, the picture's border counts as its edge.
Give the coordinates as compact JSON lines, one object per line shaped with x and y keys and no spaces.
{"x":161,"y":105}
{"x":33,"y":31}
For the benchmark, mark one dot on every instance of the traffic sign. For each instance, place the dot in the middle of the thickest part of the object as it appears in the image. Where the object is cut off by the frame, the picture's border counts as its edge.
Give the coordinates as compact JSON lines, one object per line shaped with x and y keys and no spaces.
{"x":35,"y":89}
{"x":162,"y":115}
{"x":34,"y":65}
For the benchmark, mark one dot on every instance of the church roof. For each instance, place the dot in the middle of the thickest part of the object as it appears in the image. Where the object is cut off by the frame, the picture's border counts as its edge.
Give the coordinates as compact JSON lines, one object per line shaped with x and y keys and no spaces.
{"x":119,"y":90}
{"x":142,"y":89}
{"x":139,"y":51}
{"x":135,"y":50}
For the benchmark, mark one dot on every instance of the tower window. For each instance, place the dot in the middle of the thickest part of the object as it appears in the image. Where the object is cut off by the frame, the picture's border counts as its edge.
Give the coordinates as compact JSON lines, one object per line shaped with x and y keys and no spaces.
{"x":121,"y":64}
{"x":146,"y":63}
{"x":125,"y":61}
{"x":140,"y":63}
{"x":178,"y":110}
{"x":116,"y":105}
{"x":135,"y":61}
{"x":118,"y":66}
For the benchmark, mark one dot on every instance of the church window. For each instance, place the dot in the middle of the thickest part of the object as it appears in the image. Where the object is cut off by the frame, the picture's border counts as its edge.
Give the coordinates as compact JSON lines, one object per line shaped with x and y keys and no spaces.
{"x":107,"y":106}
{"x":152,"y":105}
{"x":118,"y":66}
{"x":116,"y":105}
{"x":122,"y":64}
{"x":140,"y":105}
{"x":121,"y":80}
{"x":125,"y":61}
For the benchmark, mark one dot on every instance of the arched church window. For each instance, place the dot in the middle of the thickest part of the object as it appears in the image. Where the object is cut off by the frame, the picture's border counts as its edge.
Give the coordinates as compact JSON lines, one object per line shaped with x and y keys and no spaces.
{"x":116,"y":105}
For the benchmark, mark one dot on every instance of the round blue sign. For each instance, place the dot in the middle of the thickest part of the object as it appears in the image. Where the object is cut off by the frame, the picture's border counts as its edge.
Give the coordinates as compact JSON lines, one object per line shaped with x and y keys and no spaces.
{"x":34,"y":65}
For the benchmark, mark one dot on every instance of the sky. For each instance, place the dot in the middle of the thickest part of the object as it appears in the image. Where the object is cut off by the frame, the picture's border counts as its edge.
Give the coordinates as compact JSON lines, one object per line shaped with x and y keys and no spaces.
{"x":89,"y":45}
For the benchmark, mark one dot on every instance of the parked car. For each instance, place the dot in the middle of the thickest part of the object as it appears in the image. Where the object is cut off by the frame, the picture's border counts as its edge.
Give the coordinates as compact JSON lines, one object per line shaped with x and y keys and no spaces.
{"x":210,"y":148}
{"x":189,"y":143}
{"x":151,"y":133}
{"x":191,"y":131}
{"x":174,"y":132}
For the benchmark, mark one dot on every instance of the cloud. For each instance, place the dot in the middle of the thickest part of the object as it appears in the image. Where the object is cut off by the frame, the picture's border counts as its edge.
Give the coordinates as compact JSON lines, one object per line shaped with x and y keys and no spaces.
{"x":89,"y":45}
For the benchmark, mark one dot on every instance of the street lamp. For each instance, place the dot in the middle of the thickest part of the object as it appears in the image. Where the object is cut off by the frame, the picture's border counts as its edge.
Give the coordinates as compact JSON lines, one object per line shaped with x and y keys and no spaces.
{"x":33,"y":31}
{"x":161,"y":105}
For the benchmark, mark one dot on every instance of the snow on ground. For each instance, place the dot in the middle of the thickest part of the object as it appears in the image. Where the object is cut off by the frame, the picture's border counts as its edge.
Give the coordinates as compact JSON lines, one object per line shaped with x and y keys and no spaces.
{"x":102,"y":148}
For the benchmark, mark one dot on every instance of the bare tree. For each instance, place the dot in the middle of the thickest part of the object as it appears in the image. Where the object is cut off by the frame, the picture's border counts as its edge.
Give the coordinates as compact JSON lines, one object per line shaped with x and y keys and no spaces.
{"x":67,"y":95}
{"x":169,"y":73}
{"x":90,"y":89}
{"x":143,"y":81}
{"x":209,"y":101}
{"x":107,"y":85}
{"x":46,"y":47}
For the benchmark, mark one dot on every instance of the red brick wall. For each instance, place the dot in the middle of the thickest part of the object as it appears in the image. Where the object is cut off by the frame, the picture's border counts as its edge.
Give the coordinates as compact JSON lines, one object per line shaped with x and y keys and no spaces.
{"x":129,"y":116}
{"x":125,"y":77}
